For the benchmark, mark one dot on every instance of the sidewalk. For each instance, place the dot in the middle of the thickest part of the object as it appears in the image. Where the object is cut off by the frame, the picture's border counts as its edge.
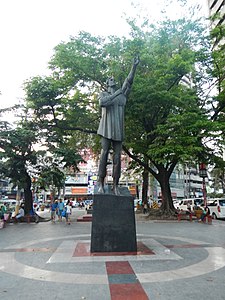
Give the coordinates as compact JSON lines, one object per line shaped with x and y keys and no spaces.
{"x":175,"y":260}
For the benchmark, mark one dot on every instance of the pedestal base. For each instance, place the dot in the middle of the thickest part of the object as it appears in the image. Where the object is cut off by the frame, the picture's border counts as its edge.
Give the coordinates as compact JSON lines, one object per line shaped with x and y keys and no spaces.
{"x":113,"y":224}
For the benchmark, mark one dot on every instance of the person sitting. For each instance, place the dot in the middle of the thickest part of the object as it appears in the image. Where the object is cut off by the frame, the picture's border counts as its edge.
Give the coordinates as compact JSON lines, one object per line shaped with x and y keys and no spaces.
{"x":20,"y":214}
{"x":3,"y":211}
{"x":188,"y":212}
{"x":206,"y":212}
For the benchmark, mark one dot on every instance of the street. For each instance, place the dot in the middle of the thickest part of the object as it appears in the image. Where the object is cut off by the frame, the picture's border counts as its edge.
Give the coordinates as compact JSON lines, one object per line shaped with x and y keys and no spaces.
{"x":175,"y":260}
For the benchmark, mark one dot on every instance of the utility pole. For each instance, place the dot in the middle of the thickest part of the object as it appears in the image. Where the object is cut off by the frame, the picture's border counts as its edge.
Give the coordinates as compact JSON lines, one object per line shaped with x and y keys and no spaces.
{"x":203,"y":174}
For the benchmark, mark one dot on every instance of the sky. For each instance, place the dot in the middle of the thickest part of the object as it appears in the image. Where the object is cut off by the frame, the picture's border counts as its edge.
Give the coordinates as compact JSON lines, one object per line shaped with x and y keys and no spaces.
{"x":30,"y":29}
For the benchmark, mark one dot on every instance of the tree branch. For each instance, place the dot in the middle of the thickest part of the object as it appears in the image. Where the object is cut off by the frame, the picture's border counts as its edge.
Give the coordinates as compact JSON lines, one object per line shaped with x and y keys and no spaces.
{"x":139,"y":161}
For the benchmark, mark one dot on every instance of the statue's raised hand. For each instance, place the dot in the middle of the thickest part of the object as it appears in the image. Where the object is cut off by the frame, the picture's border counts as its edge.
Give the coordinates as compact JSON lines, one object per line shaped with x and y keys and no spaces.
{"x":136,"y":60}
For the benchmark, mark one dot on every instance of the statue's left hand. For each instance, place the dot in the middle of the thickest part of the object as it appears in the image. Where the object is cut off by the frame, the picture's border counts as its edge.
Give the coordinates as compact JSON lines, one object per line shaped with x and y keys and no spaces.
{"x":136,"y":60}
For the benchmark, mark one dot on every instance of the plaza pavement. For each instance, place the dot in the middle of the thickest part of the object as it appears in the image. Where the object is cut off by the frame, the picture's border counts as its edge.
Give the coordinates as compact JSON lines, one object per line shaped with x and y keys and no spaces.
{"x":175,"y":261}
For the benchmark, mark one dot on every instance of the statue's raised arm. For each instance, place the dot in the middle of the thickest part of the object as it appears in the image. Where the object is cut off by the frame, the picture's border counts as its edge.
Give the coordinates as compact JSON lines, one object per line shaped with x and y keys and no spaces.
{"x":130,"y":78}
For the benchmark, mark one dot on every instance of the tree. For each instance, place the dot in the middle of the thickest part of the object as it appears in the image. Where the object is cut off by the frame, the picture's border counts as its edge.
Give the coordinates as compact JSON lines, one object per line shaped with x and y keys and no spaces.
{"x":53,"y":168}
{"x":217,"y":95}
{"x":168,"y":116}
{"x":20,"y":162}
{"x":17,"y":157}
{"x":218,"y":174}
{"x":51,"y":178}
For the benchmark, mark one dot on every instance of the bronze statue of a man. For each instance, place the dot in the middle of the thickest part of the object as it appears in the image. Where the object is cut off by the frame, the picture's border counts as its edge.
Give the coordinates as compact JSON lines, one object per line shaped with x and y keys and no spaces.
{"x":111,"y":127}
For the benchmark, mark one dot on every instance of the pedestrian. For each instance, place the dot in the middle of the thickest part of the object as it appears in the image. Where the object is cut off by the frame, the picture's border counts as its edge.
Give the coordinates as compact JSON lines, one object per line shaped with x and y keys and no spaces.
{"x":53,"y":208}
{"x":206,"y":212}
{"x":111,"y":126}
{"x":68,"y":210}
{"x":145,"y":209}
{"x":4,"y":215}
{"x":34,"y":215}
{"x":3,"y":210}
{"x":60,"y":209}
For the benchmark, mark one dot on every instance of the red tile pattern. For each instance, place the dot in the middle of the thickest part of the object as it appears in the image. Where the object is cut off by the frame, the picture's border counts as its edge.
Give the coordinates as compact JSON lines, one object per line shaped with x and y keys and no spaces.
{"x":143,"y":250}
{"x":83,"y":249}
{"x":124,"y":291}
{"x":127,"y":292}
{"x":119,"y":267}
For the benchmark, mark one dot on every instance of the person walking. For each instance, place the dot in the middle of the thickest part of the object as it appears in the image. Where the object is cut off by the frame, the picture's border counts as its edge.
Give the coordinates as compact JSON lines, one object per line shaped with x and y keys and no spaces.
{"x":60,"y":209}
{"x":145,"y":208}
{"x":68,"y":210}
{"x":111,"y":126}
{"x":54,"y":208}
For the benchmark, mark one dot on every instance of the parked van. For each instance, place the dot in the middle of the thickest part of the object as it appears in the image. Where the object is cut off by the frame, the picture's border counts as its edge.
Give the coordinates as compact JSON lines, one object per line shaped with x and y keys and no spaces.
{"x":217,"y":208}
{"x":191,"y":202}
{"x":9,"y":202}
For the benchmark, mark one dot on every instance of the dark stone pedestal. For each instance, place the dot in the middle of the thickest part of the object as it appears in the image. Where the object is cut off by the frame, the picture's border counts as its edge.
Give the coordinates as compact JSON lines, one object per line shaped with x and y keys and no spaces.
{"x":113,"y":224}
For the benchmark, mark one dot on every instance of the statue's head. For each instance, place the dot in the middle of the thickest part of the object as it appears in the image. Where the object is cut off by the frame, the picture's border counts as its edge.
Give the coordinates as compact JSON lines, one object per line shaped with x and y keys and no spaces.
{"x":110,"y":82}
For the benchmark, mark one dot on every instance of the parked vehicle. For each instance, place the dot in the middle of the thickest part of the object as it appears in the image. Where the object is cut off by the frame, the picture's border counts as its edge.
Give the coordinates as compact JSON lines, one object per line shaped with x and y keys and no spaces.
{"x":176,"y":203}
{"x":88,"y":202}
{"x":193,"y":203}
{"x":75,"y":203}
{"x":137,"y":201}
{"x":217,"y":208}
{"x":9,"y":202}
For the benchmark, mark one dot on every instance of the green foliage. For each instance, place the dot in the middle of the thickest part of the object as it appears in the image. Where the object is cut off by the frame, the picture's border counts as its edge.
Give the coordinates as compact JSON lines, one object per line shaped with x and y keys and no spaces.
{"x":17,"y":153}
{"x":164,"y":116}
{"x":51,"y":177}
{"x":18,"y":157}
{"x":169,"y":116}
{"x":68,"y":157}
{"x":218,"y":174}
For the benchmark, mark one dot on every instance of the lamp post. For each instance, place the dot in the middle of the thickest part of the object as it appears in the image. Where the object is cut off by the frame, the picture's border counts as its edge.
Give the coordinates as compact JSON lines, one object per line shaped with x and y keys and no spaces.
{"x":203,"y":175}
{"x":189,"y":181}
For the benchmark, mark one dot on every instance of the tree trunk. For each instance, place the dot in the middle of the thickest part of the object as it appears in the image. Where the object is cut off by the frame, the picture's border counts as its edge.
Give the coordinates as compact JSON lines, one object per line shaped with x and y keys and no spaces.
{"x":145,"y":176}
{"x":18,"y":194}
{"x":167,"y":207}
{"x":28,"y":195}
{"x":222,"y":182}
{"x":137,"y":190}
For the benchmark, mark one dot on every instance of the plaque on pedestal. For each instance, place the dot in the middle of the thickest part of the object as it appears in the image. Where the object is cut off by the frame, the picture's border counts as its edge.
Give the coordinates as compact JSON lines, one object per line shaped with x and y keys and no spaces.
{"x":113,"y":224}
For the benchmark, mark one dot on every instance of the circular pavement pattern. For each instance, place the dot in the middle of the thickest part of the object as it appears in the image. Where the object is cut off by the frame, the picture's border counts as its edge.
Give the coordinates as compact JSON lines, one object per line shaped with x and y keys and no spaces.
{"x":212,"y":262}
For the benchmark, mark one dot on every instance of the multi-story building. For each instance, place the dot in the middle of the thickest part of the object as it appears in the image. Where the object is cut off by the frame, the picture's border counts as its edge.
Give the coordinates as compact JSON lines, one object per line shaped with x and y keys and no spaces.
{"x":217,"y":7}
{"x":185,"y":182}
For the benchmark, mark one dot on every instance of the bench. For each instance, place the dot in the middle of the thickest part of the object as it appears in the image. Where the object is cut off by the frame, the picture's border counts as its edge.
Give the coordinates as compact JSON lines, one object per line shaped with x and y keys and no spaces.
{"x":208,"y":218}
{"x":2,"y":224}
{"x":27,"y":218}
{"x":184,"y":216}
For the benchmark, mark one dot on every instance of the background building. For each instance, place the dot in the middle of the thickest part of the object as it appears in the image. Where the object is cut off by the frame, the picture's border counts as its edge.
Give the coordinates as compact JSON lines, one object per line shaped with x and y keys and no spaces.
{"x":217,"y":7}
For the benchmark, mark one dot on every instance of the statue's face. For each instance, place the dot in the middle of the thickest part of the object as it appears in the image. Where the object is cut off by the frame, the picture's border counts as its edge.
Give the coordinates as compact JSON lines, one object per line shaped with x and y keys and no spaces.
{"x":111,"y":82}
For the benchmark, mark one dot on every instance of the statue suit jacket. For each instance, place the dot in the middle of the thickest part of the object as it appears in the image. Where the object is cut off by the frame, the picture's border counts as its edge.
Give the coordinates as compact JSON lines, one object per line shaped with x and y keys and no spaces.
{"x":111,"y":125}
